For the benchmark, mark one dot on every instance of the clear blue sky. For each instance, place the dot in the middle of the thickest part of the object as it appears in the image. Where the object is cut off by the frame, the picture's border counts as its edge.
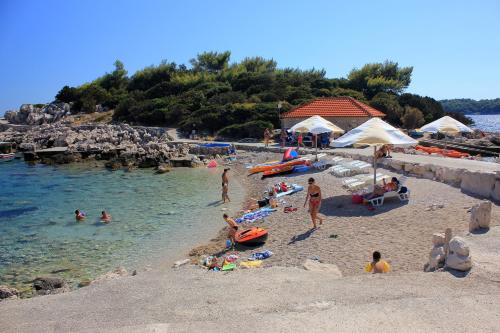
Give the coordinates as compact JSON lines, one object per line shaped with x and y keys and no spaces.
{"x":454,"y":46}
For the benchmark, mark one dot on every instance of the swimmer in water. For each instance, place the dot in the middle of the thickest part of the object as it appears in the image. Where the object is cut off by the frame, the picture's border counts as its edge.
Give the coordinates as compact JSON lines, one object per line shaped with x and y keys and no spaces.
{"x":79,"y":216}
{"x":105,"y":217}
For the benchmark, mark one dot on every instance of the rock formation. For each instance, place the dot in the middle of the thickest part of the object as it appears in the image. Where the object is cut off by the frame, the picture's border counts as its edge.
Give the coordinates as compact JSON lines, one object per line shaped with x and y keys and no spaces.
{"x":45,"y":285}
{"x":30,"y":114}
{"x":459,"y":255}
{"x":8,"y":293}
{"x":437,"y":256}
{"x":480,"y":216}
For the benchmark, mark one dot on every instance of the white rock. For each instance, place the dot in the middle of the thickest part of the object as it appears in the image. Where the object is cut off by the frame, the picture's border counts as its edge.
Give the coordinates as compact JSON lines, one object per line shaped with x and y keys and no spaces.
{"x":478,"y":183}
{"x":316,"y":266}
{"x":180,"y":263}
{"x":459,"y":246}
{"x":436,"y":257}
{"x":480,"y":216}
{"x":438,"y":239}
{"x":458,"y":262}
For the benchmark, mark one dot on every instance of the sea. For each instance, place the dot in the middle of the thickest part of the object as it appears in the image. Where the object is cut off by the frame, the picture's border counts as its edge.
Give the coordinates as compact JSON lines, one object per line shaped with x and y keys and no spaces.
{"x":156,"y":219}
{"x":487,"y":123}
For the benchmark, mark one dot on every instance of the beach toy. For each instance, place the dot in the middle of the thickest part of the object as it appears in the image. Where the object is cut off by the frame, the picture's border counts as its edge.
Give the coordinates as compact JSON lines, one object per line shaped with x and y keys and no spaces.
{"x":290,"y":154}
{"x":212,"y":164}
{"x":252,"y":236}
{"x":251,"y":264}
{"x":301,"y":168}
{"x":228,"y":267}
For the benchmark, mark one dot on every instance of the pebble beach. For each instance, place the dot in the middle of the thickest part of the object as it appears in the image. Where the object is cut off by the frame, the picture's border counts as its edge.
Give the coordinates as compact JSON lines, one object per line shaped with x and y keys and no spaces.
{"x":402,"y":232}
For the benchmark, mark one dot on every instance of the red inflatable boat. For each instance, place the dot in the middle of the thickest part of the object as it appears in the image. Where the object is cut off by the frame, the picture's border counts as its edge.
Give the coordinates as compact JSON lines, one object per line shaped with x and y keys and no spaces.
{"x":252,"y":236}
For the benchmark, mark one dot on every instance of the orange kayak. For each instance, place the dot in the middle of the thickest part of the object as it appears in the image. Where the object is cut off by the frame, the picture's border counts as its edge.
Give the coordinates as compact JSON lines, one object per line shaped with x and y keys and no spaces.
{"x":262,"y":168}
{"x":251,"y":236}
{"x":278,"y":170}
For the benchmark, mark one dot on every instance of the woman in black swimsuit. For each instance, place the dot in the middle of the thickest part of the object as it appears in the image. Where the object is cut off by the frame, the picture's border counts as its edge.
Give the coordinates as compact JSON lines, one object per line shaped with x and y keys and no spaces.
{"x":314,"y":196}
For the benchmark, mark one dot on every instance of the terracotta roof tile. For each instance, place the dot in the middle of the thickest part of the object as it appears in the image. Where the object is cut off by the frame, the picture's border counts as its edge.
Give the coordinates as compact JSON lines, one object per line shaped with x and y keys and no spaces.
{"x":334,"y":107}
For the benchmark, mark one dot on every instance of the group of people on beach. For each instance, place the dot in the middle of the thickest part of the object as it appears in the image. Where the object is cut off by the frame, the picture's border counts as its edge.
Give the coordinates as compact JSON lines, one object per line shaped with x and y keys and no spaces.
{"x":80,"y":216}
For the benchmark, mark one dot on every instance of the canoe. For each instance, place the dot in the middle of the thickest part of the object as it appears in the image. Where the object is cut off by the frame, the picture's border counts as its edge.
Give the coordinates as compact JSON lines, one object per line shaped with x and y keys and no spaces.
{"x":278,"y":170}
{"x":263,"y":168}
{"x":252,"y":236}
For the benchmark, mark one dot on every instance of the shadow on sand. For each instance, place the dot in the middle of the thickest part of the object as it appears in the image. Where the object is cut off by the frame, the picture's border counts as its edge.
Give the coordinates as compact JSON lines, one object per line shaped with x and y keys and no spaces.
{"x":342,"y":205}
{"x":302,"y":236}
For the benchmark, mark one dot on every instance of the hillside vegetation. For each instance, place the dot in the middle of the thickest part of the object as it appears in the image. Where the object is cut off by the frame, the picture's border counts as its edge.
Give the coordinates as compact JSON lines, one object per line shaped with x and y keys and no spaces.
{"x":221,"y":98}
{"x":470,"y":106}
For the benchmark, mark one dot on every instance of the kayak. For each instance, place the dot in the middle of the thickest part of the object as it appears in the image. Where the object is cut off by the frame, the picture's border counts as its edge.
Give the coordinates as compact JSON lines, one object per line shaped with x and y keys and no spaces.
{"x":252,"y":236}
{"x":263,"y":168}
{"x":278,"y":170}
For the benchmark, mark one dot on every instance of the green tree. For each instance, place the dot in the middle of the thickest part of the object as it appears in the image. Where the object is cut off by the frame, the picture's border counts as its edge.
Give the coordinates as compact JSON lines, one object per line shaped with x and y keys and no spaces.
{"x":212,"y":62}
{"x":388,"y":104}
{"x":412,"y":118}
{"x":380,"y":77}
{"x":67,"y":94}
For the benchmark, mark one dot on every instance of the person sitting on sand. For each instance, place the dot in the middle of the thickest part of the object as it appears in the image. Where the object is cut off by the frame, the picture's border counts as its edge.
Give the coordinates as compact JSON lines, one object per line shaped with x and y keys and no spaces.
{"x":270,"y":200}
{"x":105,"y":217}
{"x":314,"y":197}
{"x":377,"y":265}
{"x":233,"y":227}
{"x":384,"y":151}
{"x":79,"y":216}
{"x":225,"y":186}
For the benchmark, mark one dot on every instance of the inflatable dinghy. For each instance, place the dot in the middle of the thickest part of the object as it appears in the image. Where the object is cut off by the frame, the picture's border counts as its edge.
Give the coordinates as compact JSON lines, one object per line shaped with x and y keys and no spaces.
{"x":252,"y":236}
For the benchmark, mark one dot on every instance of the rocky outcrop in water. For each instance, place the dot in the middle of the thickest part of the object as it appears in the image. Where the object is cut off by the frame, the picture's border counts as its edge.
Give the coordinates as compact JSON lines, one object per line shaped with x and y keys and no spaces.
{"x":45,"y":285}
{"x":122,"y":144}
{"x":8,"y":293}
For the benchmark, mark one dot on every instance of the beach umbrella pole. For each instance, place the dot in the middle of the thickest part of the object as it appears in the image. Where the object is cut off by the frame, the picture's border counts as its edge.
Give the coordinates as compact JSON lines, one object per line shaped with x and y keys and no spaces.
{"x":374,"y":166}
{"x":316,"y":148}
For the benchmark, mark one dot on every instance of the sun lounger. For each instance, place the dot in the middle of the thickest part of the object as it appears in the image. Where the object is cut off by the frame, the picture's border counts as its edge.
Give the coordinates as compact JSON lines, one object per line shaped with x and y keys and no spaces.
{"x":337,"y":160}
{"x":340,"y":171}
{"x":320,"y":165}
{"x":379,"y":201}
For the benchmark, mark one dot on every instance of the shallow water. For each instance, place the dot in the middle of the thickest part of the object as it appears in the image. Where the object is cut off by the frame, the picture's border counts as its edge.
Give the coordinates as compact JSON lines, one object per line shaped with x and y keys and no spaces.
{"x":155,"y":217}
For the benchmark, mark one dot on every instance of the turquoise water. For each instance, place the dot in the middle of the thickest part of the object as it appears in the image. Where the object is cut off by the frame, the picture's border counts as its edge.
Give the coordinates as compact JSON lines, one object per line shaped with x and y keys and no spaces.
{"x":155,"y":218}
{"x":488,"y":123}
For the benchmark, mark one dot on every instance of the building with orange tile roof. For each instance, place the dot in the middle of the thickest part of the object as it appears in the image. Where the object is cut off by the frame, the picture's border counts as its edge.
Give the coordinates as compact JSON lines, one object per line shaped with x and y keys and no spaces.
{"x":345,"y":112}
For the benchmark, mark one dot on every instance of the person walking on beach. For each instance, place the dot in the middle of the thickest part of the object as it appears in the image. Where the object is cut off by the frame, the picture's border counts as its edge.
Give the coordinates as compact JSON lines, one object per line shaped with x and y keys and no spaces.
{"x":267,"y":136}
{"x":377,"y":265}
{"x":300,"y":142}
{"x":314,"y":197}
{"x":233,"y":227}
{"x":283,"y":136}
{"x":225,"y":186}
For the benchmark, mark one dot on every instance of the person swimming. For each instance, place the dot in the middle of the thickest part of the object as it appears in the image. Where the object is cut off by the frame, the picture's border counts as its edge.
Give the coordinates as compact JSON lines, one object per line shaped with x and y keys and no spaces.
{"x":79,"y":216}
{"x":105,"y":217}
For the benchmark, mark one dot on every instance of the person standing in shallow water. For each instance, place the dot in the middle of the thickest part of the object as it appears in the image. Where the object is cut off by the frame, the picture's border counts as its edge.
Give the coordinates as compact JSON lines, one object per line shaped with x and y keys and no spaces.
{"x":267,"y":136}
{"x":314,"y":196}
{"x":225,"y":186}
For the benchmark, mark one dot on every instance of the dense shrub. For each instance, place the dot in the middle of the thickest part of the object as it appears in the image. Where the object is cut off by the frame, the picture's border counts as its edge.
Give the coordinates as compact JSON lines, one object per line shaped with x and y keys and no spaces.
{"x":251,"y":129}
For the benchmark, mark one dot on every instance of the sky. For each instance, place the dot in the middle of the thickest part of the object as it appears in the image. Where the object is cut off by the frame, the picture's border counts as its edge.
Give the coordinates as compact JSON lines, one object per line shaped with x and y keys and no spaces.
{"x":453,"y":46}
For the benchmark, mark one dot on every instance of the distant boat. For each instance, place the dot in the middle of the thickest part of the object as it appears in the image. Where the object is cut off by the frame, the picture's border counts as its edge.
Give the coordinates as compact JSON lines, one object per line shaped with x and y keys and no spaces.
{"x":7,"y":157}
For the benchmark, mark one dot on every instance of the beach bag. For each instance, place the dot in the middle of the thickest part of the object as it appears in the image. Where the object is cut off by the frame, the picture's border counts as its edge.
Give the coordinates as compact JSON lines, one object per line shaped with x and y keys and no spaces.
{"x":357,"y":199}
{"x":284,"y":188}
{"x":403,"y":189}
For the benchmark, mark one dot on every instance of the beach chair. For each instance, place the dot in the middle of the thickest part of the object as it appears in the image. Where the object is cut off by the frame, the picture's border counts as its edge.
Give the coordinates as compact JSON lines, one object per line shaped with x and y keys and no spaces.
{"x":340,"y":171}
{"x":379,"y":201}
{"x":337,"y":160}
{"x":320,"y":165}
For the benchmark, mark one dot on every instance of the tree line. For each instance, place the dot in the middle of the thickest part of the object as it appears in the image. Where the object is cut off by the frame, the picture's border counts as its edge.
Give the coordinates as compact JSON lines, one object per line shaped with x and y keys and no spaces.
{"x":240,"y":99}
{"x":470,"y":106}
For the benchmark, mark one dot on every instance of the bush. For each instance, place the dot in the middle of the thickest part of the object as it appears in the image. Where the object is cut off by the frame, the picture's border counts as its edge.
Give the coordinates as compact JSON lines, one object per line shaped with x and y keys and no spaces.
{"x":412,"y":118}
{"x":251,"y":129}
